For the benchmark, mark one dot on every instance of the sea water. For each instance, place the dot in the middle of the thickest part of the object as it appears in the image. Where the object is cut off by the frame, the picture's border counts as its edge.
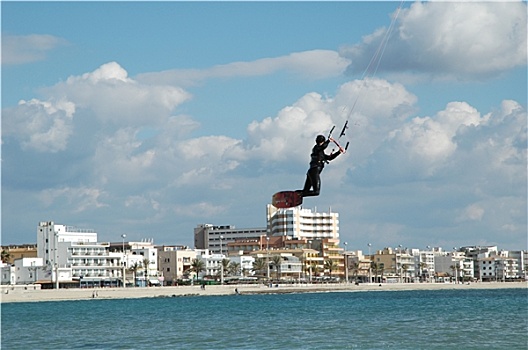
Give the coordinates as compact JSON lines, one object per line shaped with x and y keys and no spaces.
{"x":443,"y":319}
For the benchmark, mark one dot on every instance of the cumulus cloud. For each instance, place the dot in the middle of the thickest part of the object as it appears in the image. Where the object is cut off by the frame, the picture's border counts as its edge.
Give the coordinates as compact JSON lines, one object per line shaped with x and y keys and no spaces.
{"x":450,"y":40}
{"x":76,"y":199}
{"x":21,"y":49}
{"x":431,"y":139}
{"x":312,"y":64}
{"x":43,"y":126}
{"x":106,"y":96}
{"x":472,"y":212}
{"x":117,"y":99}
{"x":455,"y":138}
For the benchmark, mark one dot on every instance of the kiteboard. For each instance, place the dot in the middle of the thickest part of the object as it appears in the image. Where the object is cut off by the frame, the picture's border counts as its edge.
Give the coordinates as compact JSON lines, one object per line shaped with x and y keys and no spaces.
{"x":287,"y":199}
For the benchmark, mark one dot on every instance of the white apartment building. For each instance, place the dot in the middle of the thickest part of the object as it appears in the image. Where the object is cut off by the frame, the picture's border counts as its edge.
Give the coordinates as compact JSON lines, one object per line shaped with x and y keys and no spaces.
{"x":71,"y":254}
{"x":246,"y":264}
{"x":299,"y":222}
{"x":136,"y":254}
{"x":494,"y":265}
{"x":455,"y":264}
{"x":212,"y":262}
{"x":216,"y":238}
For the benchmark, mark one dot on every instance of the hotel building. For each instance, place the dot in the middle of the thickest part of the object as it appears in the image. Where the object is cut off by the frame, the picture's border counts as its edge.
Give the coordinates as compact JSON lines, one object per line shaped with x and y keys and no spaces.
{"x":299,"y":222}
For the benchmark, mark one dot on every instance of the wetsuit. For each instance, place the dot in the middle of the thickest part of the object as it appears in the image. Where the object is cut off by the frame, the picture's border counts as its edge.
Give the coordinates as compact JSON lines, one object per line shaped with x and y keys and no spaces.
{"x":317,"y":163}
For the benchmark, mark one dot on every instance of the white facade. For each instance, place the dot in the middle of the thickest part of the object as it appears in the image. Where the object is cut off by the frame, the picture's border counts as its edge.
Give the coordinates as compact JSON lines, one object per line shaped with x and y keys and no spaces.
{"x":8,"y":274}
{"x":50,"y":235}
{"x":212,"y":262}
{"x":23,"y":271}
{"x":246,"y":264}
{"x":72,"y":254}
{"x":28,"y":270}
{"x":301,"y":223}
{"x":455,"y":264}
{"x":424,"y":264}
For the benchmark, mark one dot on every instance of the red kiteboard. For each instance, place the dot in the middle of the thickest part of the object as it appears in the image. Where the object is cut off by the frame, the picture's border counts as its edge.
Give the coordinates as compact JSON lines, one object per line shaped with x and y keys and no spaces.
{"x":286,"y":199}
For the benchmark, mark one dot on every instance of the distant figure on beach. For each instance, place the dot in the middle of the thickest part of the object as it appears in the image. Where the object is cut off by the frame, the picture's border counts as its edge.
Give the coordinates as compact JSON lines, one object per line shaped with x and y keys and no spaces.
{"x":236,"y":291}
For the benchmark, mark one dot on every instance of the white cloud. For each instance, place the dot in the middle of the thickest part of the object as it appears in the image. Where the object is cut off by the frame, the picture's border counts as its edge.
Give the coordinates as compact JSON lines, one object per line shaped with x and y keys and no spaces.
{"x":117,"y":99}
{"x":106,"y":95}
{"x":75,"y":199}
{"x":455,"y":40}
{"x":431,"y":139}
{"x":200,"y":209}
{"x":313,"y":64}
{"x":456,"y":143}
{"x":473,"y":212}
{"x":119,"y":158}
{"x":21,"y":49}
{"x":43,"y":126}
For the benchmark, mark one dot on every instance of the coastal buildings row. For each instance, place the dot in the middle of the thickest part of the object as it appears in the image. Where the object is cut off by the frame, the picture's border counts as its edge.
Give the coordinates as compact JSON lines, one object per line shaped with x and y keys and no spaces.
{"x":296,"y":245}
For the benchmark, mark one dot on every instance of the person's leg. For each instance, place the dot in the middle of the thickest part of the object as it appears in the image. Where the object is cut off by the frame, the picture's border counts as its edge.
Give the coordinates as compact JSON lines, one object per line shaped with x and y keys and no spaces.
{"x":313,"y":180}
{"x":307,"y":184}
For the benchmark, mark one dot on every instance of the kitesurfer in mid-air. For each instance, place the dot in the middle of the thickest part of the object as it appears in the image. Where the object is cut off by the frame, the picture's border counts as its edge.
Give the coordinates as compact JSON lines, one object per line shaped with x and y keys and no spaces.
{"x":312,"y":186}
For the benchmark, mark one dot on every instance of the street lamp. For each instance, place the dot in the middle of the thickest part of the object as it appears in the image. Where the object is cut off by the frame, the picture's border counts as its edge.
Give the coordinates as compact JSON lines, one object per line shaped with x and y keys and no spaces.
{"x":267,"y":258}
{"x":55,"y":260}
{"x":370,"y":263}
{"x":430,"y":273}
{"x":401,"y":264}
{"x":310,"y":262}
{"x":123,"y":236}
{"x":346,"y":263}
{"x":221,"y":262}
{"x":456,"y":265}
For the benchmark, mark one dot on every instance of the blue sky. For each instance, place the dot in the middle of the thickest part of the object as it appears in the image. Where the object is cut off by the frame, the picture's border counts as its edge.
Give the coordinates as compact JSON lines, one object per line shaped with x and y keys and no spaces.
{"x":149,"y":118}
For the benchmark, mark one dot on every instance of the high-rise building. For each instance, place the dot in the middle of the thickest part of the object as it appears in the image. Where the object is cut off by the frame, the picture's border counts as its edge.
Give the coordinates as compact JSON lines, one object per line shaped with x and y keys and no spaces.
{"x":299,"y":222}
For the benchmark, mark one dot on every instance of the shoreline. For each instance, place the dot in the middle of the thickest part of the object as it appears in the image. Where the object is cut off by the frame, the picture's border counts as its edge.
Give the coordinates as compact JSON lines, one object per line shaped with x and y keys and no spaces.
{"x":14,"y":294}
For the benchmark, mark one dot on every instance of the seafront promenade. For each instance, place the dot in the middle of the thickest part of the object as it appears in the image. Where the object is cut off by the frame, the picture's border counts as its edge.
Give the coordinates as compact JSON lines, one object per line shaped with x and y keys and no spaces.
{"x":31,"y":294}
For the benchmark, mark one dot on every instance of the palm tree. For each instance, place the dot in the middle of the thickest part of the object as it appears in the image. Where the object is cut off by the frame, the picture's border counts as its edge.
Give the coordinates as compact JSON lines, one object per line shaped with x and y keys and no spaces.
{"x":422,"y":267}
{"x":453,"y":268}
{"x":354,"y":267}
{"x":259,"y":266}
{"x":314,"y":266}
{"x":134,"y":269}
{"x":276,"y":261}
{"x":330,"y":265}
{"x":197,"y":266}
{"x":146,"y":263}
{"x":404,"y":271}
{"x":374,"y":267}
{"x":381,"y":269}
{"x":234,"y":268}
{"x":5,"y":256}
{"x":225,"y":265}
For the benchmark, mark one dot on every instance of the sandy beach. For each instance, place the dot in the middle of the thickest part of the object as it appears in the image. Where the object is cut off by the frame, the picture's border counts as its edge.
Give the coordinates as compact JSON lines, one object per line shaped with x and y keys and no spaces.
{"x":32,"y":294}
